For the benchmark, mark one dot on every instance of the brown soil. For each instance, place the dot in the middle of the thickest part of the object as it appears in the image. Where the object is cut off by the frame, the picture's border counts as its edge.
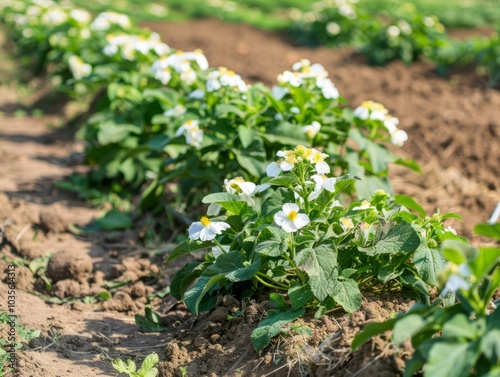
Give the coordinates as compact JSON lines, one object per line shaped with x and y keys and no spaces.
{"x":453,"y":127}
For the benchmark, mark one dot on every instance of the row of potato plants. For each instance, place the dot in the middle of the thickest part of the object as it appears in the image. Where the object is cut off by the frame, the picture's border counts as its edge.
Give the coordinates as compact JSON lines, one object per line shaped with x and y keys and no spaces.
{"x":399,"y":33}
{"x":164,"y":117}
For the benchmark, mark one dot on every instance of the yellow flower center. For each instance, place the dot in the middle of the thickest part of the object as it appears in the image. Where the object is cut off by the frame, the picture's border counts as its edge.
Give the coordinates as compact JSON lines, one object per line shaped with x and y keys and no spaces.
{"x":318,"y":158}
{"x":179,"y":52}
{"x":292,"y":215}
{"x":373,"y":106}
{"x":310,"y":133}
{"x":205,"y":221}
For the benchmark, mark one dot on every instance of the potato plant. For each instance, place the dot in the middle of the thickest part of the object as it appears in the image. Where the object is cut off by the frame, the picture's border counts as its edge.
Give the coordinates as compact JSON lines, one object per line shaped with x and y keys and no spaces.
{"x":292,"y":235}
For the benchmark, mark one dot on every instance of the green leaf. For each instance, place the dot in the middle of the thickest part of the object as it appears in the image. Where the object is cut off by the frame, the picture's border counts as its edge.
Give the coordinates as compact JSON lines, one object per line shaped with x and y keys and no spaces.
{"x":221,"y":197}
{"x":458,"y":252}
{"x":188,"y":247}
{"x":409,"y":203}
{"x":406,"y":327}
{"x":321,"y":266}
{"x":428,"y":262}
{"x":490,"y":345}
{"x":451,"y":359}
{"x":343,"y":182}
{"x":371,"y":330}
{"x":230,"y":202}
{"x":246,"y":136}
{"x":251,"y":164}
{"x":165,"y":95}
{"x":184,"y":277}
{"x":235,"y":267}
{"x":460,"y":326}
{"x":278,"y":301}
{"x":271,"y":326}
{"x":231,"y":266}
{"x":273,"y":241}
{"x":451,"y":215}
{"x":110,"y":132}
{"x":127,"y":368}
{"x":300,"y":296}
{"x":411,"y":164}
{"x":288,"y":181}
{"x":114,"y":220}
{"x":150,"y":322}
{"x":401,"y":238}
{"x":492,"y":231}
{"x":485,"y":261}
{"x":347,"y":294}
{"x":224,"y":110}
{"x":193,"y":297}
{"x":149,"y":363}
{"x":274,"y":203}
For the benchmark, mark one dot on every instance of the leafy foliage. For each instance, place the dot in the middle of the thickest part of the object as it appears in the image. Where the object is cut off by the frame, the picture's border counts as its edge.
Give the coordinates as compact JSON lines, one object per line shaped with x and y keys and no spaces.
{"x":469,"y":329}
{"x":147,"y":368}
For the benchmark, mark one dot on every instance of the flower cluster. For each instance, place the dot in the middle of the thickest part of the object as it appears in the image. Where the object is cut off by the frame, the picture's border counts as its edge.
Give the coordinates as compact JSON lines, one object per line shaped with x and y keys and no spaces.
{"x":303,"y":73}
{"x":106,"y":20}
{"x":290,"y":158}
{"x":129,"y":45}
{"x":78,"y":68}
{"x":224,"y":77}
{"x":374,"y":111}
{"x":192,"y":132}
{"x":182,"y":63}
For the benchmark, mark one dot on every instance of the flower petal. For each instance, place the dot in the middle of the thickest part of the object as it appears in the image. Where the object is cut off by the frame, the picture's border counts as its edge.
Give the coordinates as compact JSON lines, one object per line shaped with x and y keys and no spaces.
{"x":280,"y":217}
{"x":288,"y":207}
{"x":273,"y":170}
{"x":195,"y":229}
{"x":289,"y":226}
{"x":301,"y":221}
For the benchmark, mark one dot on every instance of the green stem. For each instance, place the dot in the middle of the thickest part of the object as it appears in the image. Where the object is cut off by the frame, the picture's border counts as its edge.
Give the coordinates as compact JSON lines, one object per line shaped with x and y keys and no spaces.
{"x":219,"y":246}
{"x":269,"y":285}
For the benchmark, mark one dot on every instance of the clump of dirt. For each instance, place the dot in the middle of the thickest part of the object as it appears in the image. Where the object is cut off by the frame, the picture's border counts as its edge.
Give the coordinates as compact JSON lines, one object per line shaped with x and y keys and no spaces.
{"x":69,"y":265}
{"x":52,"y":219}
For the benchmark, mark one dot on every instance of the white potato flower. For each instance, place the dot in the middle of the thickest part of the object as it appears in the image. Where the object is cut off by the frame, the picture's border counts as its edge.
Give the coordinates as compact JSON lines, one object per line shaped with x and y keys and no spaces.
{"x":292,"y":78}
{"x":346,"y":223}
{"x":192,"y":132}
{"x":238,"y":186}
{"x":55,"y":16}
{"x":333,"y":28}
{"x":78,"y":68}
{"x":177,"y":111}
{"x":279,"y":92}
{"x":365,"y":204}
{"x":206,"y":230}
{"x":197,"y":94}
{"x":322,"y":183}
{"x":393,"y":31}
{"x":311,"y":130}
{"x":290,"y":219}
{"x":80,"y":15}
{"x":318,"y":159}
{"x":371,"y":110}
{"x":328,"y":88}
{"x":105,"y":20}
{"x":451,"y":230}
